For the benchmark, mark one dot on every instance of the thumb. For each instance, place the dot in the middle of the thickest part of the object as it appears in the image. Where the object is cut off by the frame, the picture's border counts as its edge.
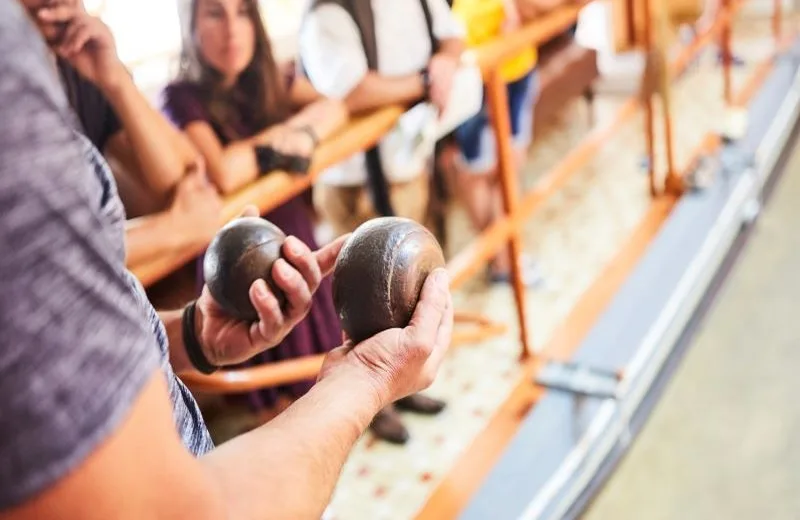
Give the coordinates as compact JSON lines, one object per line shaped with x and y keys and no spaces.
{"x":249,"y":211}
{"x":327,"y":255}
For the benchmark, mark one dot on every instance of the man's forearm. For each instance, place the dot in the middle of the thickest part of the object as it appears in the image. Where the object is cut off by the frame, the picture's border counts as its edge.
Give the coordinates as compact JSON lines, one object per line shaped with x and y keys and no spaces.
{"x":297,"y":456}
{"x":150,"y":236}
{"x":376,"y":91}
{"x":452,"y":47}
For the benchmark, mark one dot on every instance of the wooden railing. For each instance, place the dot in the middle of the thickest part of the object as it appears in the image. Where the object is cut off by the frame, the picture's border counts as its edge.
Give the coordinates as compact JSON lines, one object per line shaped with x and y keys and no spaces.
{"x":274,"y":189}
{"x":270,"y":191}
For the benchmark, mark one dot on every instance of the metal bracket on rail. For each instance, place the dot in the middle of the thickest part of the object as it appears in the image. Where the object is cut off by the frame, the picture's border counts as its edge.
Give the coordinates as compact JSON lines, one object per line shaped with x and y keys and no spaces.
{"x":579,"y":379}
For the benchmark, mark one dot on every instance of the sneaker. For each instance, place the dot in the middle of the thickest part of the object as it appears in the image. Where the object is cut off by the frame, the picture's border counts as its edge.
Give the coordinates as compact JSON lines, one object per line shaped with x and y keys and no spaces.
{"x":532,"y":274}
{"x":421,"y":404}
{"x":388,"y":426}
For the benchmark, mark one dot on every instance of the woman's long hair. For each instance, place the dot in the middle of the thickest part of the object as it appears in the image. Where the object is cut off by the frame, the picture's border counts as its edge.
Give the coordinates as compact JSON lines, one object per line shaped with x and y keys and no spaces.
{"x":261,"y":87}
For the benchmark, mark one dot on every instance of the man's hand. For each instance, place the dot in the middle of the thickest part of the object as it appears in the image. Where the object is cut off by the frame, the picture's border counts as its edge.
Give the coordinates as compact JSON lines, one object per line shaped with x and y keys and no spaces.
{"x":84,"y":41}
{"x":196,"y":208}
{"x":400,"y":362}
{"x":442,"y":69}
{"x":298,"y":273}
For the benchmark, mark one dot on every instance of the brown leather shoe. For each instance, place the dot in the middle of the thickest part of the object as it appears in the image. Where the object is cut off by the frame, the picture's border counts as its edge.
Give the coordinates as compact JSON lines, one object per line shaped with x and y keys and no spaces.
{"x":421,"y":404}
{"x":388,"y":426}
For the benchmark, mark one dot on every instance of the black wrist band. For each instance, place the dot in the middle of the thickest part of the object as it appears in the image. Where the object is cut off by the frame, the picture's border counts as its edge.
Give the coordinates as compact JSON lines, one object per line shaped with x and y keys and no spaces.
{"x":265,"y":159}
{"x":426,"y":84}
{"x":191,"y":343}
{"x":309,"y":131}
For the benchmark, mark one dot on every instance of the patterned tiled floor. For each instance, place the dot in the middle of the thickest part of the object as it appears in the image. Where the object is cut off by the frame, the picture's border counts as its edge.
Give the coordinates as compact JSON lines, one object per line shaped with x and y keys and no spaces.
{"x":574,"y":235}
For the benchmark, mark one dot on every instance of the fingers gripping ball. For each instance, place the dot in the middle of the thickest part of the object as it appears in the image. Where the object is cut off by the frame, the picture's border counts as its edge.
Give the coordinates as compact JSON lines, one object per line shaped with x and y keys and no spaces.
{"x":241,"y":253}
{"x":379,"y":275}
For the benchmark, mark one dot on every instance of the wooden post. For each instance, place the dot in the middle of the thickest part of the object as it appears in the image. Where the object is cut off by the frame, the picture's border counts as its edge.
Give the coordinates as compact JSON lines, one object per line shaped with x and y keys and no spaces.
{"x":777,"y":20}
{"x":648,"y":90}
{"x":727,"y":54}
{"x":507,"y":171}
{"x":673,"y":181}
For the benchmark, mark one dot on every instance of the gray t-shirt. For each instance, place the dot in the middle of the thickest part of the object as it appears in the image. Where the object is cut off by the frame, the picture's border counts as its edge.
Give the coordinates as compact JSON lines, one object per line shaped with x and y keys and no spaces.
{"x":78,"y":338}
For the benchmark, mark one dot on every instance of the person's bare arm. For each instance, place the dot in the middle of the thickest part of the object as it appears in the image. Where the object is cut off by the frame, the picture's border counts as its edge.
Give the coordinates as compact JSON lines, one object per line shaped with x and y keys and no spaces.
{"x":324,"y":115}
{"x":376,"y":91}
{"x":147,"y":144}
{"x":234,"y":166}
{"x":286,"y":469}
{"x":192,"y":219}
{"x":452,"y":47}
{"x":149,"y":237}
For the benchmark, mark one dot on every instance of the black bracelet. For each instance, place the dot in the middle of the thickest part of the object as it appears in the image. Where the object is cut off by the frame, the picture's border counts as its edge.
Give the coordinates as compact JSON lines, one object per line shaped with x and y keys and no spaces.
{"x":309,"y":131}
{"x":265,"y":159}
{"x":192,"y":344}
{"x":426,"y":84}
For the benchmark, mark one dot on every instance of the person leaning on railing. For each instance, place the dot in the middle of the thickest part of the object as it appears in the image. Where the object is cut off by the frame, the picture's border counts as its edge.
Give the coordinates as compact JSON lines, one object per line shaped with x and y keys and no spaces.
{"x":95,"y":424}
{"x":370,"y":55}
{"x":239,"y":108}
{"x":161,"y":178}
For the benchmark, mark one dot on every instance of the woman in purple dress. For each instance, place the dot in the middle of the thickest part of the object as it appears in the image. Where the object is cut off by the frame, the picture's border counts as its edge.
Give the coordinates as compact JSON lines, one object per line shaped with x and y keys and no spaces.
{"x":235,"y":103}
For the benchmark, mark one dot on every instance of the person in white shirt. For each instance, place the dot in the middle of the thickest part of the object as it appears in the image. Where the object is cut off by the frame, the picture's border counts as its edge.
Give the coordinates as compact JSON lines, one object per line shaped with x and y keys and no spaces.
{"x":409,"y":70}
{"x":413,"y":52}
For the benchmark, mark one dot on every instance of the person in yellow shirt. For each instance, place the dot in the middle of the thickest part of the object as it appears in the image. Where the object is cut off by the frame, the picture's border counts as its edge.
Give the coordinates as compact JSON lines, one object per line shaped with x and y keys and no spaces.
{"x":486,"y":20}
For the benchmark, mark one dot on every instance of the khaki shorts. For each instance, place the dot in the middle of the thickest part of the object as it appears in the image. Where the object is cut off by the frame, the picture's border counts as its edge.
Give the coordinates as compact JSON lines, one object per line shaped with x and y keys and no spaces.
{"x":347,"y":207}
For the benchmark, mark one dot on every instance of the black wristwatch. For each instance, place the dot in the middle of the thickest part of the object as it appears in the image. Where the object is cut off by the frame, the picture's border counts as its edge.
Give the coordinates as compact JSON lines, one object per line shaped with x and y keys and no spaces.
{"x":192,"y":345}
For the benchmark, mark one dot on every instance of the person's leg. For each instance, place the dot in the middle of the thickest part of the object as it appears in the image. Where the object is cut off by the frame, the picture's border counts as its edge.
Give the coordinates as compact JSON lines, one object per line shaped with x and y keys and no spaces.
{"x":711,"y":9}
{"x":410,"y":199}
{"x":477,"y":181}
{"x":710,"y":13}
{"x":476,"y":169}
{"x":339,"y":206}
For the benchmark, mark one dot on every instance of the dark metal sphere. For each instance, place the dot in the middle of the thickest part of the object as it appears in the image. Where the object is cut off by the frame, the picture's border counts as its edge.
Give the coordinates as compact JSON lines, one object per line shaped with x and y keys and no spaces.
{"x":380,"y":273}
{"x":242,"y":252}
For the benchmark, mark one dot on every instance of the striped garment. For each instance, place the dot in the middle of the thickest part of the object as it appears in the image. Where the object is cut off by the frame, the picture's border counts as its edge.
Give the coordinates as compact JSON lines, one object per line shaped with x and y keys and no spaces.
{"x":78,"y":338}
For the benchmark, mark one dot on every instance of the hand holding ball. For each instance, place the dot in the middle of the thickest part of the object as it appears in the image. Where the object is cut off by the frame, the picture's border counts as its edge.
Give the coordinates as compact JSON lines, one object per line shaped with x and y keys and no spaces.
{"x":241,"y":253}
{"x":379,"y":275}
{"x":377,"y":279}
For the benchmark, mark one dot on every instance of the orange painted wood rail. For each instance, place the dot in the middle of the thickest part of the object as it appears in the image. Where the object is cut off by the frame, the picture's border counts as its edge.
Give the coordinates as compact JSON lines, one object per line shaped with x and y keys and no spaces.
{"x":274,"y":189}
{"x":307,"y":367}
{"x":494,"y":53}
